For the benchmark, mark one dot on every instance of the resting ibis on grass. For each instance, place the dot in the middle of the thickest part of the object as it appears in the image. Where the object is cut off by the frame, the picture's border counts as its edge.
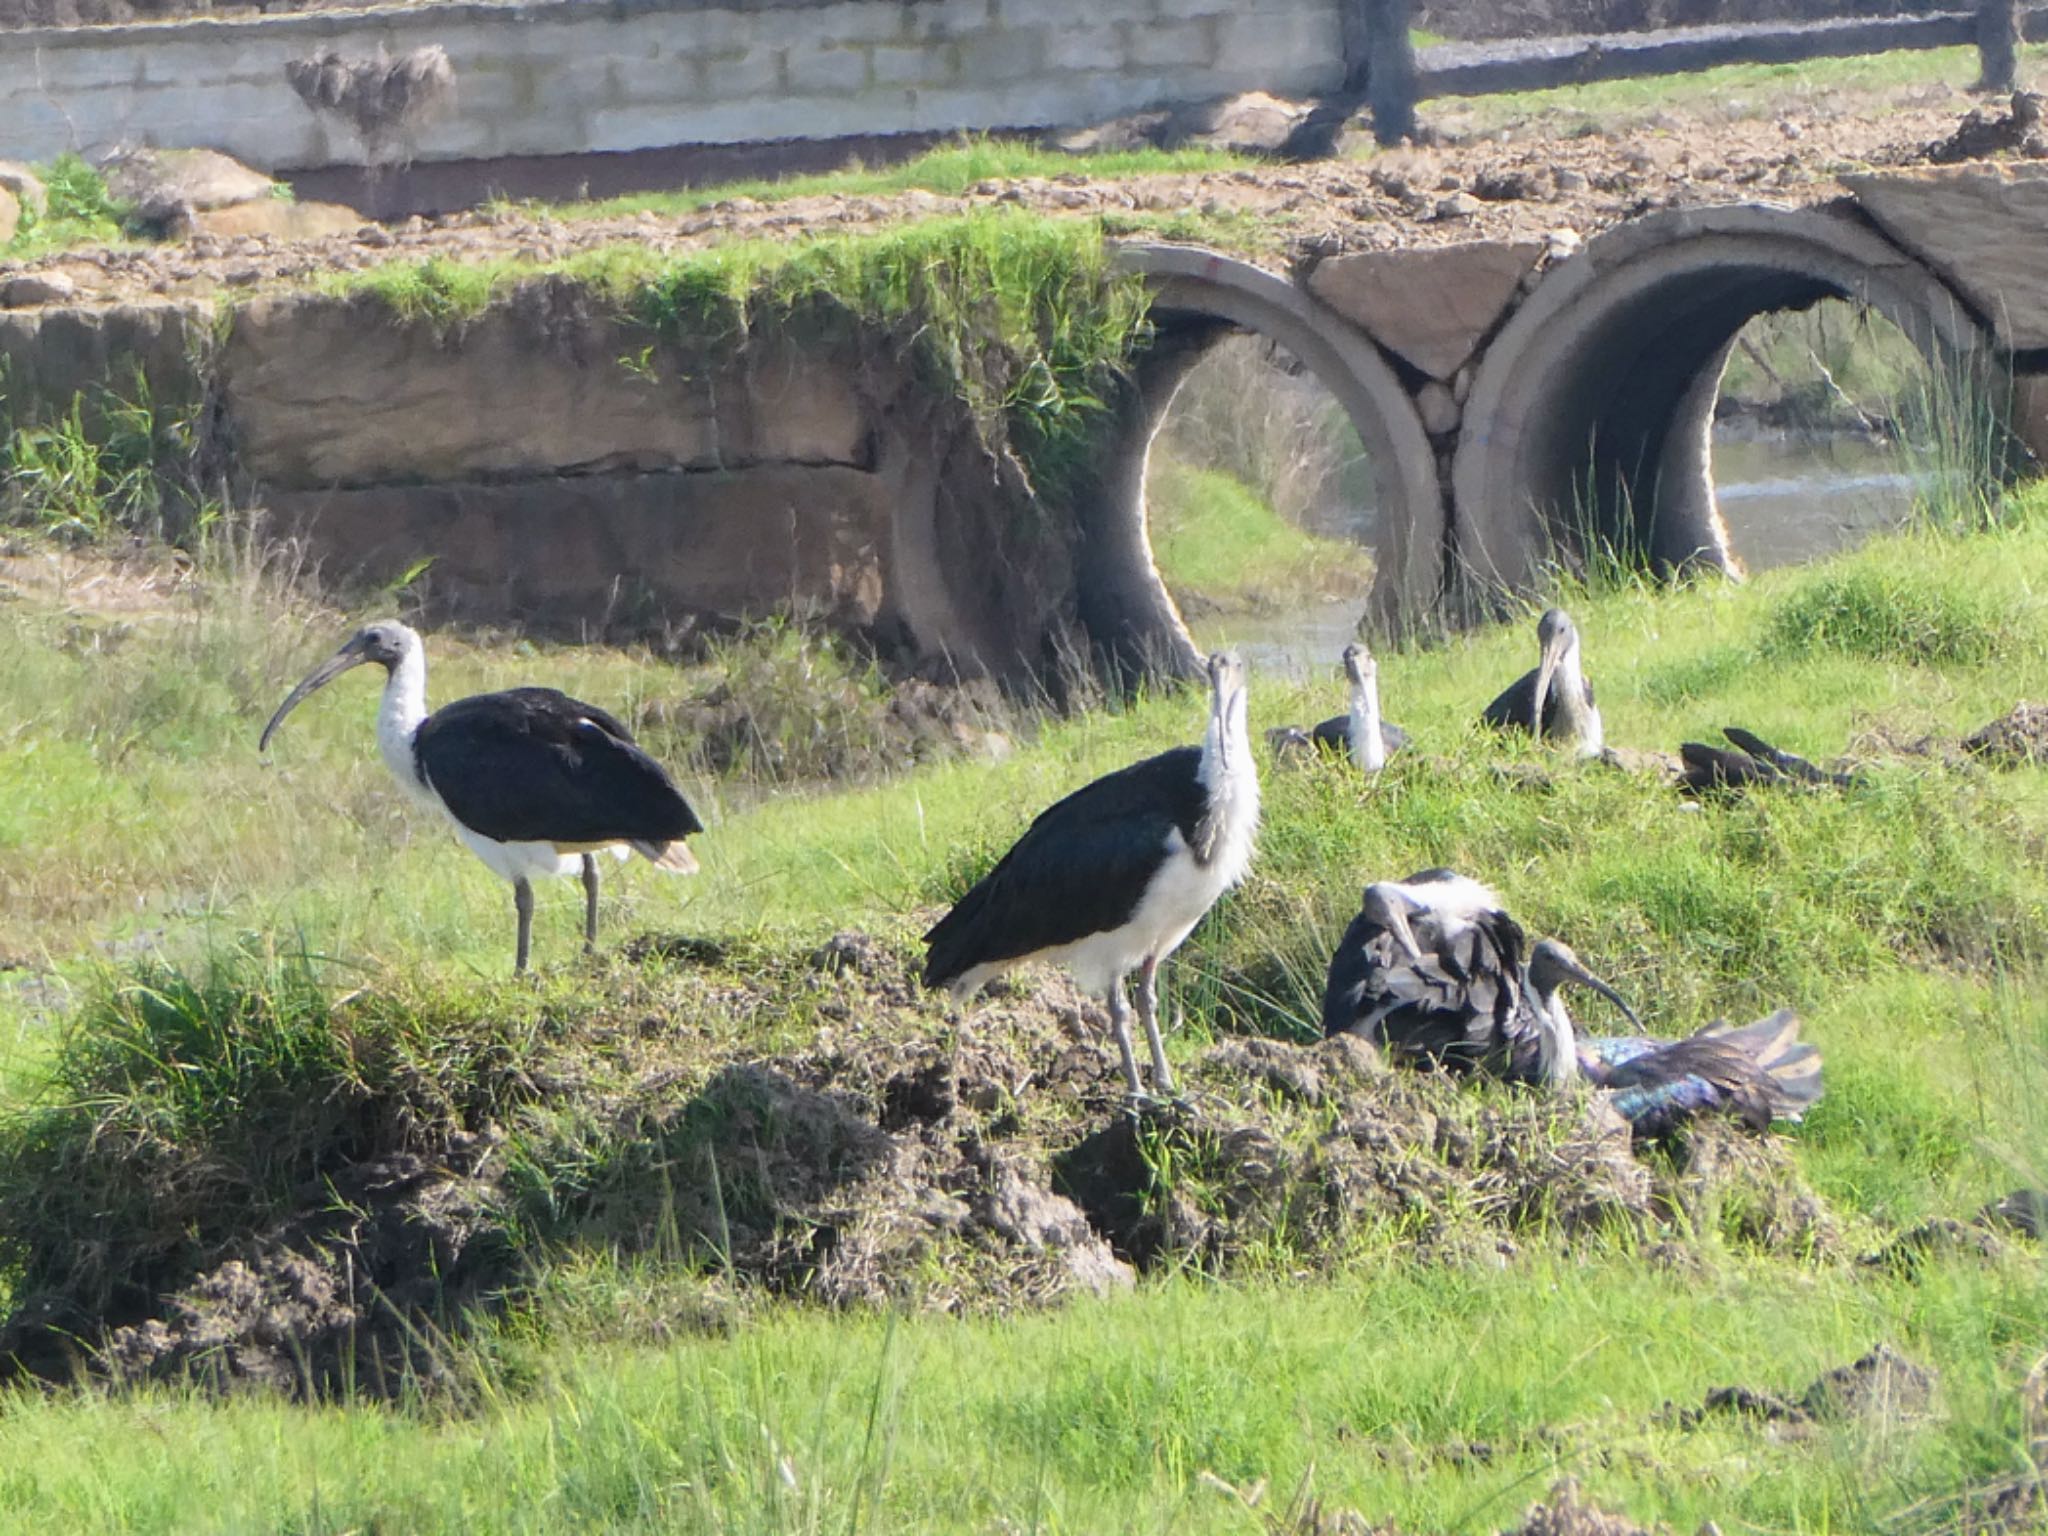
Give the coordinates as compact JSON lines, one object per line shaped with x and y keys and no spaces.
{"x":1554,"y":699}
{"x":537,"y":783}
{"x":1360,"y":734}
{"x":1433,"y":969}
{"x":1112,"y":878}
{"x":1758,"y":1073}
{"x":1747,"y":761}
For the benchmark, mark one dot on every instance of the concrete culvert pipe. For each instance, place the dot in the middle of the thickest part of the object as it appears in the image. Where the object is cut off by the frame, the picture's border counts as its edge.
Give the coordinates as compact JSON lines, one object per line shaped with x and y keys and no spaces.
{"x":1199,"y":297}
{"x":1592,"y":412}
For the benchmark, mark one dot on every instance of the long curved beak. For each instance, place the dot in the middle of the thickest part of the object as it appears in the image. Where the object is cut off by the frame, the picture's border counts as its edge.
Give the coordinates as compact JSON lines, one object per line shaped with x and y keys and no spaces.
{"x":1388,"y":909}
{"x":1553,"y":653}
{"x":1586,"y":978}
{"x":350,"y":655}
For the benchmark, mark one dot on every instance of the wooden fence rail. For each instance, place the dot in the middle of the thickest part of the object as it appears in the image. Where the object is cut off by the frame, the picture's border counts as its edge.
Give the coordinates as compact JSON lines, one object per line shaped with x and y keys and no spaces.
{"x":1396,"y":76}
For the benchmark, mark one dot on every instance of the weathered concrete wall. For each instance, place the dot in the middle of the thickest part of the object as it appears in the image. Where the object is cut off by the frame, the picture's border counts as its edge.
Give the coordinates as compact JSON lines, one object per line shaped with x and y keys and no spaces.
{"x":574,"y":76}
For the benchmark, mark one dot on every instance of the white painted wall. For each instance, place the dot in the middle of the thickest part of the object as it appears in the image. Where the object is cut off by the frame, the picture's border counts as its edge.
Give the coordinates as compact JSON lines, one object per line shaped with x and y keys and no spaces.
{"x":577,"y":75}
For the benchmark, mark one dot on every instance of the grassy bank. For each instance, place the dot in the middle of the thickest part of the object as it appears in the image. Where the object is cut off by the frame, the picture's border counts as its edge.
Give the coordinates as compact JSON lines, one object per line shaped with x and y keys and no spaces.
{"x":1220,"y":545}
{"x":628,"y":1389}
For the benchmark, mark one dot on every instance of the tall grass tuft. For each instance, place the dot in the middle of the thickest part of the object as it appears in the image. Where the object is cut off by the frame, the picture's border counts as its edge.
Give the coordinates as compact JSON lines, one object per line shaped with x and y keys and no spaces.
{"x":185,"y":1105}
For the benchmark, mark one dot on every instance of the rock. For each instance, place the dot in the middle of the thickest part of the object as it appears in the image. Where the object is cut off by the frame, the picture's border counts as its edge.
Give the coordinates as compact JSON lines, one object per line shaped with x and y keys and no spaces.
{"x":1438,"y":408}
{"x":1983,"y":228}
{"x":1459,"y":205}
{"x":1253,"y":123}
{"x":26,"y":186}
{"x":158,"y":181}
{"x":280,"y":218}
{"x":10,"y":216}
{"x":1430,"y":306}
{"x":1031,"y":1217}
{"x":34,"y":288}
{"x":1569,"y":180}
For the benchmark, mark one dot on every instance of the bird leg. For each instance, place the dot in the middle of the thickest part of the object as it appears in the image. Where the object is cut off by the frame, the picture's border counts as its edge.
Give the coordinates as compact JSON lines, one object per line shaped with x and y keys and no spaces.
{"x":589,"y":903}
{"x":522,"y":903}
{"x":1148,"y":1011}
{"x":1120,"y":1022}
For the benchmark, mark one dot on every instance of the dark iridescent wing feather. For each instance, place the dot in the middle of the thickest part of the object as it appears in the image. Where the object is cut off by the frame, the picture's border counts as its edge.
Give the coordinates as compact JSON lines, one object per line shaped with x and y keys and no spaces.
{"x":1081,"y":867}
{"x":534,"y":765}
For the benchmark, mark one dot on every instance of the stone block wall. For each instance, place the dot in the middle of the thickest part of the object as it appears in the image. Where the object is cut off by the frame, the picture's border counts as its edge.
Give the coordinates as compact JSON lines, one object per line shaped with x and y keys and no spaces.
{"x":576,"y":76}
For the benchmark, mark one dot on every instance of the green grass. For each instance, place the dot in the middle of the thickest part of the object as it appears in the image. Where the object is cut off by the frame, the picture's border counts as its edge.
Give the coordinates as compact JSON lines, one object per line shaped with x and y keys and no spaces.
{"x":1906,"y":919}
{"x":1732,"y":92}
{"x":1214,"y":537}
{"x":950,"y":170}
{"x":1018,"y":314}
{"x":79,"y":213}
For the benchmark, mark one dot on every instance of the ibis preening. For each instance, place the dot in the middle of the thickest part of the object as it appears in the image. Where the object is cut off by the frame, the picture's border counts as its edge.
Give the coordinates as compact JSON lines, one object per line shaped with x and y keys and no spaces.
{"x":1112,"y":878}
{"x":1748,"y":760}
{"x":1554,"y":699}
{"x":1434,"y":969}
{"x":1359,"y":733}
{"x":537,"y":783}
{"x":1758,"y":1073}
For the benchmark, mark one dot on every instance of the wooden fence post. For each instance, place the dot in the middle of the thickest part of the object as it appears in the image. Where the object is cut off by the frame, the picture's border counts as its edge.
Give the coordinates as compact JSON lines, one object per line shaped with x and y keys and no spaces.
{"x":1378,"y":29}
{"x":1998,"y":44}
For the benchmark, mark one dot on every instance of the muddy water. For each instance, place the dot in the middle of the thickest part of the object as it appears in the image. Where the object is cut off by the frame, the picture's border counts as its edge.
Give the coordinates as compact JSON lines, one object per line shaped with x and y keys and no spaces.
{"x":1786,"y":497}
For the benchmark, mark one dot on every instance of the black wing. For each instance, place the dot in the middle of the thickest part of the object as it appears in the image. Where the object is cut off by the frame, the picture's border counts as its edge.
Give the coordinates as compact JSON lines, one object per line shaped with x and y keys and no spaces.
{"x":1515,"y":707}
{"x":1713,"y":768}
{"x":1334,"y":734}
{"x":1792,"y":765}
{"x":1081,"y":868}
{"x":534,"y":765}
{"x":1461,"y":1005}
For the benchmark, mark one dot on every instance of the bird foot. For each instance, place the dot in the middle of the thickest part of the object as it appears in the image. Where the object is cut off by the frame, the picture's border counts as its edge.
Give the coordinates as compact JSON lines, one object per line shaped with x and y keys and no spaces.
{"x":1141,"y":1102}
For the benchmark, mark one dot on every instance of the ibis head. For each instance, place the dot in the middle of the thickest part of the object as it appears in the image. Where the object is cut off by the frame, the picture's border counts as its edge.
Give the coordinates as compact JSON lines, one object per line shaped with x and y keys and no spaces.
{"x":1388,"y":905}
{"x":1359,"y":665}
{"x":1552,"y":964}
{"x":1556,"y":635}
{"x":385,"y":644}
{"x":1228,"y":702}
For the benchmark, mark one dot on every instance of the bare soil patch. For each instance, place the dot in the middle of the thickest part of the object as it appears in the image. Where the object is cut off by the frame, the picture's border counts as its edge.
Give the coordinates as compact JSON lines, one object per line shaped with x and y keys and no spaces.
{"x":901,"y":1155}
{"x":1504,"y":187}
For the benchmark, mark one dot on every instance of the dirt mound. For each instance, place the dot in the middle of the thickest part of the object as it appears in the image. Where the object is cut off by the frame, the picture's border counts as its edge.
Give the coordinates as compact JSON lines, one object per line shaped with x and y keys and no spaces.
{"x":2016,"y":738}
{"x":902,"y":1153}
{"x":1981,"y":134}
{"x":1882,"y":1385}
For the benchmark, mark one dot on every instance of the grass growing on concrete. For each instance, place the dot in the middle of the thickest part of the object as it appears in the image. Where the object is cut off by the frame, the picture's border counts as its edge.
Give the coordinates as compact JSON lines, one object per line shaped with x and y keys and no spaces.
{"x":1906,"y":919}
{"x":79,"y":212}
{"x":949,"y":170}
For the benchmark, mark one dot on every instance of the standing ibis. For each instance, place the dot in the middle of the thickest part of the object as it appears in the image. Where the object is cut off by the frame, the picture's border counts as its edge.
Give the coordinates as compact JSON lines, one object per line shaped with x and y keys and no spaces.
{"x":1554,"y":699}
{"x":1759,"y":1073}
{"x":537,"y":783}
{"x":1112,"y":878}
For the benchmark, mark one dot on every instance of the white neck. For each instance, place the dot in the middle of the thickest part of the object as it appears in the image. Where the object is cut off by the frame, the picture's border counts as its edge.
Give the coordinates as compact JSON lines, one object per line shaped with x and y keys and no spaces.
{"x":1569,"y":684}
{"x":1557,"y":1043}
{"x":399,"y":714}
{"x":1368,"y":747}
{"x":1232,"y":780}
